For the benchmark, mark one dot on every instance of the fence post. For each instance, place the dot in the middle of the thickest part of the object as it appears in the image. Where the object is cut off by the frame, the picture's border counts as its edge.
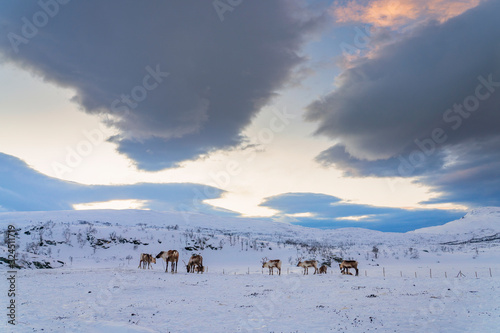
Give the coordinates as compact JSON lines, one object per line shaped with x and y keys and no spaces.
{"x":248,"y":272}
{"x":445,"y":275}
{"x":430,"y":272}
{"x":476,"y":275}
{"x":223,"y":271}
{"x":366,"y":274}
{"x":490,"y":273}
{"x":383,"y":269}
{"x":401,"y":272}
{"x":287,"y":271}
{"x":415,"y":274}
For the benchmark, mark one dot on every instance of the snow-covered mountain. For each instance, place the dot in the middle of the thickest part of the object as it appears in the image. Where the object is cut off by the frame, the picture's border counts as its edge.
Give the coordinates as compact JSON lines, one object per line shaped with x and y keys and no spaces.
{"x":478,"y":222}
{"x":117,"y":237}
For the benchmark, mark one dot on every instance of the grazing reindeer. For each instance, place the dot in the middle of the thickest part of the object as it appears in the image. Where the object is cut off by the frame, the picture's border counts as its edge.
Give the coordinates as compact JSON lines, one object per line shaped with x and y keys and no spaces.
{"x":271,"y":264}
{"x":199,"y":269}
{"x":322,"y":269}
{"x":146,"y":259}
{"x":346,"y":264}
{"x":308,"y":263}
{"x":196,"y":260}
{"x":170,"y":256}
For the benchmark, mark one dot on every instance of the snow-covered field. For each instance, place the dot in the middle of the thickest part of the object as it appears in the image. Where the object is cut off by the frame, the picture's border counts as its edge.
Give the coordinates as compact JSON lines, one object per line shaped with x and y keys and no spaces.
{"x":100,"y":289}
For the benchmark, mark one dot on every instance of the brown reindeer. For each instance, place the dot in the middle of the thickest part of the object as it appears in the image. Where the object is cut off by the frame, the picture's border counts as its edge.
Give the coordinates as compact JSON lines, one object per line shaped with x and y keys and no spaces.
{"x":346,"y":264}
{"x":195,"y":262}
{"x":199,"y":269}
{"x":146,"y":259}
{"x":308,"y":263}
{"x":271,"y":264}
{"x":323,"y":269}
{"x":169,"y":256}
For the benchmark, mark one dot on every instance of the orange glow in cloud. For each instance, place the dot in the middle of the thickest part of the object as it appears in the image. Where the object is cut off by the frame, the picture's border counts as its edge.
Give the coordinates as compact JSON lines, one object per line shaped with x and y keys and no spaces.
{"x":396,"y":13}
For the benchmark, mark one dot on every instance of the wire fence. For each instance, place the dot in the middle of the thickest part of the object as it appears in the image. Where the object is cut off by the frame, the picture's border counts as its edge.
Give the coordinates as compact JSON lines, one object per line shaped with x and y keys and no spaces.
{"x":432,"y":273}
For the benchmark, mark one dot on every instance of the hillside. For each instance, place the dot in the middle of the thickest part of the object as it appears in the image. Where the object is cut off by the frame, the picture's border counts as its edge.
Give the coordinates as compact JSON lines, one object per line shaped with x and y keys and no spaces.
{"x":117,"y":237}
{"x":478,"y":222}
{"x":99,"y":287}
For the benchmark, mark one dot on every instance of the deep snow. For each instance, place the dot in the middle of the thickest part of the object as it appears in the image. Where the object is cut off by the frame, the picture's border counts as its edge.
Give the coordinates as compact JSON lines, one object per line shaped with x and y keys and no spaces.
{"x":100,"y":288}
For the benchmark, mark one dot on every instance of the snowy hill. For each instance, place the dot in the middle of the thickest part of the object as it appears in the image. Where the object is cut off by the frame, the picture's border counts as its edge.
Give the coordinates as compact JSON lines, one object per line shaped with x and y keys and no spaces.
{"x":96,"y":285}
{"x":478,"y":222}
{"x":110,"y":238}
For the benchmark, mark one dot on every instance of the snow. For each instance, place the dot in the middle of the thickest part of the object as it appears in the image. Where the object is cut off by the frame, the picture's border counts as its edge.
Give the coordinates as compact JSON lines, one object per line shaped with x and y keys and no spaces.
{"x":409,"y":285}
{"x":484,"y":221}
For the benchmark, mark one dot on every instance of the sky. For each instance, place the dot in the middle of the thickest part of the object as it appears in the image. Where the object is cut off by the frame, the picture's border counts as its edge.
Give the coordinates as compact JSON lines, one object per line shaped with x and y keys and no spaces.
{"x":378,"y":114}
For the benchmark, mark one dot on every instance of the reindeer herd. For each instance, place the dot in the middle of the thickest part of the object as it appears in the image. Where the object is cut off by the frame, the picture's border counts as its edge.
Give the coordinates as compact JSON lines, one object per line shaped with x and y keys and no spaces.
{"x":195,"y":263}
{"x":344,"y":266}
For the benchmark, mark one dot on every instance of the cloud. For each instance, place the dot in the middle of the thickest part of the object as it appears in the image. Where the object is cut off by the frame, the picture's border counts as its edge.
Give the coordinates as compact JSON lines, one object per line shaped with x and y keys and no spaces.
{"x":471,"y":177}
{"x":329,"y":212}
{"x":24,"y":189}
{"x":398,"y":13}
{"x":170,"y":75}
{"x":425,"y":106}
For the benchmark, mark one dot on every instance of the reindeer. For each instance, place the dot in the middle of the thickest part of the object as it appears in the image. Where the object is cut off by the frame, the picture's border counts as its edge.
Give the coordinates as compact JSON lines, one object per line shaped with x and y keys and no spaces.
{"x":308,"y":263}
{"x":199,"y":269}
{"x":346,"y":264}
{"x":170,"y":256}
{"x":323,"y":269}
{"x":271,"y":264}
{"x":195,"y":263}
{"x":146,"y":259}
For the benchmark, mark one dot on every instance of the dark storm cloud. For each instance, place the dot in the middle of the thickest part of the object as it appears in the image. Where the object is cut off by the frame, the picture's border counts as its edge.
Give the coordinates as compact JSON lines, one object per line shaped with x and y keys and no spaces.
{"x":175,"y":79}
{"x":24,"y":189}
{"x":328,"y":212}
{"x":427,"y":105}
{"x":473,"y":177}
{"x":338,"y":157}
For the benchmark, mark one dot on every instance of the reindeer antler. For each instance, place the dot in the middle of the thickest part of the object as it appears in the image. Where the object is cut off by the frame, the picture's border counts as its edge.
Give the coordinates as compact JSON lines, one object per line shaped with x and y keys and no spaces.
{"x":264,"y":260}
